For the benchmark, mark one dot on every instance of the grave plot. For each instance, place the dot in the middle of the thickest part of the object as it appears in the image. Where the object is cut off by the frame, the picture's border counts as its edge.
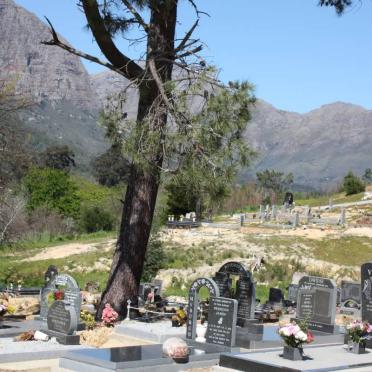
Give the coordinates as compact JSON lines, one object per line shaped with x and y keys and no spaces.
{"x":316,"y":303}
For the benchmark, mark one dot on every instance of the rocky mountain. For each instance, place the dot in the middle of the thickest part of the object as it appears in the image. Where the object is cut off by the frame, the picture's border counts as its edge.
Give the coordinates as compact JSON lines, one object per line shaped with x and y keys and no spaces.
{"x":319,"y":147}
{"x":63,"y":103}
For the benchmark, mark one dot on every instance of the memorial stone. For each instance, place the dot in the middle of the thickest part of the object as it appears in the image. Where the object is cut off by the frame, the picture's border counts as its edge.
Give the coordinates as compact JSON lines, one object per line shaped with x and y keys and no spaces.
{"x":276,"y":295}
{"x":350,"y":291}
{"x":62,"y":323}
{"x":245,"y":290}
{"x":366,"y":294}
{"x":292,"y":292}
{"x":224,"y":284}
{"x":222,"y":315}
{"x":316,"y":302}
{"x":193,"y":305}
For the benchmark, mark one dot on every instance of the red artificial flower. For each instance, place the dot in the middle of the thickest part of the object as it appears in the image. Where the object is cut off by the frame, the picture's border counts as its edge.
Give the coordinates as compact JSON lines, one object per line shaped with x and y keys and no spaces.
{"x":59,"y":295}
{"x":310,"y":337}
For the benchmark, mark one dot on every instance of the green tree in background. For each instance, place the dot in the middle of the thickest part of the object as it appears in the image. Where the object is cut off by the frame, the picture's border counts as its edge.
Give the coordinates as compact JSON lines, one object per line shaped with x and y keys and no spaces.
{"x":273,"y":181}
{"x":367,"y":176}
{"x":111,"y":167}
{"x":58,"y":157}
{"x":353,"y":184}
{"x":52,"y":189}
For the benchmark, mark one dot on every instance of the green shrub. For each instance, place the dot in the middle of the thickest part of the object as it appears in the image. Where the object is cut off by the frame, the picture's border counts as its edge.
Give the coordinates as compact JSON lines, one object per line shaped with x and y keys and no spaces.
{"x":95,"y":219}
{"x":154,"y":260}
{"x":353,"y":184}
{"x":52,"y":189}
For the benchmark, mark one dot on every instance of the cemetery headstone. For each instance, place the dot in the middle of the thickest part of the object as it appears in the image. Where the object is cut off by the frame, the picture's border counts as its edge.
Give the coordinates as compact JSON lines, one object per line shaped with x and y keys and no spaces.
{"x":275,"y":295}
{"x":316,"y":302}
{"x":222,"y":315}
{"x":245,"y":290}
{"x":62,"y":323}
{"x":366,"y":291}
{"x":288,"y":199}
{"x":224,"y":284}
{"x":292,"y":292}
{"x":47,"y":289}
{"x":274,"y":212}
{"x":350,"y":291}
{"x":192,"y":312}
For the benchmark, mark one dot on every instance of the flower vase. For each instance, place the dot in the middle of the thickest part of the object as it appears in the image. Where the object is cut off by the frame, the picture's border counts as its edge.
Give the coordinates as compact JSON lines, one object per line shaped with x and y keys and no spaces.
{"x":358,"y":348}
{"x":200,"y":333}
{"x":292,"y":353}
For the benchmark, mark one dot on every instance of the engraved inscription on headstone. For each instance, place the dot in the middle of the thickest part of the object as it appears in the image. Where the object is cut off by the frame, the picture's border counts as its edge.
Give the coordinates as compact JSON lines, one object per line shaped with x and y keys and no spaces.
{"x":222,"y":321}
{"x":62,"y":318}
{"x":192,"y":312}
{"x":316,"y":302}
{"x":366,"y":295}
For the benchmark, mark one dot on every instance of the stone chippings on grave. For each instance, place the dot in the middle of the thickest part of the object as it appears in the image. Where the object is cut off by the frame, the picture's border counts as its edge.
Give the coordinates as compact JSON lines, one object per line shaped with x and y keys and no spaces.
{"x":193,"y":304}
{"x":222,"y":315}
{"x":62,"y":323}
{"x":316,"y":302}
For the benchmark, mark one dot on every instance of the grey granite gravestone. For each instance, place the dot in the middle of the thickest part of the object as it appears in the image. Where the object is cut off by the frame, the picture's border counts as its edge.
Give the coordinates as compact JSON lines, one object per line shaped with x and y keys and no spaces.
{"x":366,"y":291}
{"x":49,"y":287}
{"x":221,"y":328}
{"x":350,"y":291}
{"x":292,"y":292}
{"x":245,"y":290}
{"x":192,"y":311}
{"x":316,"y":302}
{"x":62,"y":323}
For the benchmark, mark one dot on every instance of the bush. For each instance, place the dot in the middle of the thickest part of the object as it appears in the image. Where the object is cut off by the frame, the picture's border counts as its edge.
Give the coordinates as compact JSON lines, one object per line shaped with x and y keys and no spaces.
{"x":353,"y":184}
{"x":154,"y":260}
{"x":52,"y":189}
{"x":96,"y":219}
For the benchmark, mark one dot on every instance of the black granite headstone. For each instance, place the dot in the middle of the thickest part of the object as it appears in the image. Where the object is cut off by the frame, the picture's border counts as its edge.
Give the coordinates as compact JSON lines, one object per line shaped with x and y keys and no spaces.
{"x":245,"y":290}
{"x":366,"y":295}
{"x":316,"y":302}
{"x":224,"y":284}
{"x":221,"y":328}
{"x":276,"y":295}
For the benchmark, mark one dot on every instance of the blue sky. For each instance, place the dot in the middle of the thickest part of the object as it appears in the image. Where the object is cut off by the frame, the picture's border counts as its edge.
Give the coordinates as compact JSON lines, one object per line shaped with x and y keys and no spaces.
{"x":298,"y":55}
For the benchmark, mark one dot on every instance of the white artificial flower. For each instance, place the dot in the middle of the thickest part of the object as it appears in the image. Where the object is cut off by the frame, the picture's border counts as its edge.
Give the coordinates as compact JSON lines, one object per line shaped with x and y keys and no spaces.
{"x":300,"y":335}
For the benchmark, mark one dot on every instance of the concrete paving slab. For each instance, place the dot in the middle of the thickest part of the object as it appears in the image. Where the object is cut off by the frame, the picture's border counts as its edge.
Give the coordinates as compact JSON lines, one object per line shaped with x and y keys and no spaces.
{"x":320,"y":358}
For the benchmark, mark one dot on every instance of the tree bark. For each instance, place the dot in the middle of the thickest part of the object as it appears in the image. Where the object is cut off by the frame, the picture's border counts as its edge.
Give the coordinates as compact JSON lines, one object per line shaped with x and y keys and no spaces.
{"x":143,"y":184}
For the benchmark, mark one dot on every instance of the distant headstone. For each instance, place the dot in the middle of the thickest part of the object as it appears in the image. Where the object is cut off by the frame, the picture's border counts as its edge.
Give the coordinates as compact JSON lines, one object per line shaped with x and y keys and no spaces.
{"x":316,"y":302}
{"x":222,"y":315}
{"x":288,"y":199}
{"x":342,"y":219}
{"x":350,"y":291}
{"x":338,"y":297}
{"x":224,"y":284}
{"x":292,"y":292}
{"x":62,"y":323}
{"x":276,"y":295}
{"x":366,"y":294}
{"x":245,"y":290}
{"x":192,"y":312}
{"x":274,"y":212}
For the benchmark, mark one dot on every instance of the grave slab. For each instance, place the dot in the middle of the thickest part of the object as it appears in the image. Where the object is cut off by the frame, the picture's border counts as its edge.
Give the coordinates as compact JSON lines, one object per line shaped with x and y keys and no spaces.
{"x":137,"y":358}
{"x":325,"y":358}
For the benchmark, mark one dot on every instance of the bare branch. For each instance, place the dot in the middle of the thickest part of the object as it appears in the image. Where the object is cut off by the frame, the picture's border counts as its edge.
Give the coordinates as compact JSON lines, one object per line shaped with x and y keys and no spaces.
{"x":191,"y":52}
{"x":105,"y":42}
{"x":136,"y":15}
{"x":198,"y":12}
{"x":182,"y":44}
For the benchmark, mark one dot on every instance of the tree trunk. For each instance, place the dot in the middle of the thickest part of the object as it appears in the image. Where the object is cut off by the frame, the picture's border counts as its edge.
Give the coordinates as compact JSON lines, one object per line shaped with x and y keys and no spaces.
{"x":143,"y":184}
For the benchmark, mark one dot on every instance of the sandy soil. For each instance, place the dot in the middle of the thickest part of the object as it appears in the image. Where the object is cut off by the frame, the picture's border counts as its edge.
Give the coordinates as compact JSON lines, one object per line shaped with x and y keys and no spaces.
{"x":65,"y":250}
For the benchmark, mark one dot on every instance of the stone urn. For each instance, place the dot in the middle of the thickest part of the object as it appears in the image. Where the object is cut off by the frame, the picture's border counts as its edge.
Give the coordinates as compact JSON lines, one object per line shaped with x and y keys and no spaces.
{"x":201,"y":330}
{"x":292,"y":353}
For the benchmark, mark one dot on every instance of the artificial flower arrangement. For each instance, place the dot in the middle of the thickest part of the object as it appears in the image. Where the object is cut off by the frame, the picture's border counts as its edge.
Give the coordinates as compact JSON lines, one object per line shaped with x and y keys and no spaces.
{"x":3,"y":309}
{"x":109,"y":316}
{"x":295,"y":335}
{"x":359,"y":331}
